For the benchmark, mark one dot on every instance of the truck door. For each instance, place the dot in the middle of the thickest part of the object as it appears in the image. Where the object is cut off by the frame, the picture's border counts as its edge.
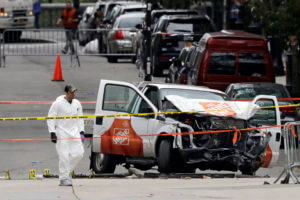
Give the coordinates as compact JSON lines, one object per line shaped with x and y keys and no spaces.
{"x":268,"y":116}
{"x":120,"y":134}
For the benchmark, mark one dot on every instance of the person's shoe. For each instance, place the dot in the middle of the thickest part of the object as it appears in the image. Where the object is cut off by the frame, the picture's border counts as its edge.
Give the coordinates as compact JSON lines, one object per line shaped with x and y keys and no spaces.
{"x":65,"y":182}
{"x":63,"y":51}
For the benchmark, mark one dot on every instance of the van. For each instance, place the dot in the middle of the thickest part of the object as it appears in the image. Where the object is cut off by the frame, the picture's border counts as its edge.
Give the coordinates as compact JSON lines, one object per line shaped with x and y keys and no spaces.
{"x":228,"y":57}
{"x":17,"y":15}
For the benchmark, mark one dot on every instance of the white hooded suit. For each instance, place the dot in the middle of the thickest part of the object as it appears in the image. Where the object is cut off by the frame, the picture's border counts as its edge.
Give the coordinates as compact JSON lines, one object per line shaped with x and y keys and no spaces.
{"x":70,"y":151}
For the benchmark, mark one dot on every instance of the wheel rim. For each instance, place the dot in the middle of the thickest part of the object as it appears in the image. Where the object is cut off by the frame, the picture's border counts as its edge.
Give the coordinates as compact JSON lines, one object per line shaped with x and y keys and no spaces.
{"x":99,"y":157}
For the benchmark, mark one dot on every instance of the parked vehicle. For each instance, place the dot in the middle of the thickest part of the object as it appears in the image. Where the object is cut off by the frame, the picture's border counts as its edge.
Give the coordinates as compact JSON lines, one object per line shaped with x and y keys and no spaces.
{"x":248,"y":91}
{"x":138,"y":139}
{"x":17,"y":15}
{"x":124,"y":9}
{"x":181,"y":65}
{"x":84,"y":35}
{"x":231,"y":56}
{"x":106,"y":8}
{"x":121,"y":38}
{"x":171,"y":34}
{"x":155,"y":15}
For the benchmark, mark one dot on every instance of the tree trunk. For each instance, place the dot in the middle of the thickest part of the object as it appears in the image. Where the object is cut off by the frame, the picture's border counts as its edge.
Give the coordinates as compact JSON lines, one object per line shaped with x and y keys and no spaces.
{"x":295,"y":71}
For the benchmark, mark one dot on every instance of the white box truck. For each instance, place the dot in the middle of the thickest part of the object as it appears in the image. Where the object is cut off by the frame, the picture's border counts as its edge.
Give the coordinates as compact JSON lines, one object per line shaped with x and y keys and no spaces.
{"x":15,"y":14}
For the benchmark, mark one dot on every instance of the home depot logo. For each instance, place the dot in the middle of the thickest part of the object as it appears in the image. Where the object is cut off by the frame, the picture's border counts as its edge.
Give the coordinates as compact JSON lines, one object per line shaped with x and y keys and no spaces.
{"x":217,"y":108}
{"x":121,"y":136}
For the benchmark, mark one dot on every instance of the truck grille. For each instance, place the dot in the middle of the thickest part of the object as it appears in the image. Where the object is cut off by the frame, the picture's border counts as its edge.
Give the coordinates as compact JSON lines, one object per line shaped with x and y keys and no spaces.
{"x":19,"y":13}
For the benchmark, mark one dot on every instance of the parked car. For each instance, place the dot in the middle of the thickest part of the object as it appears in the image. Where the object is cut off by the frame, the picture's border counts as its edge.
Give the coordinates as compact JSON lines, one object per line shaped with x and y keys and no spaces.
{"x":231,"y":56}
{"x":181,"y":65}
{"x":242,"y":91}
{"x":138,"y":139}
{"x":121,"y":38}
{"x":155,"y":15}
{"x":106,"y":8}
{"x":124,"y":9}
{"x":83,"y":33}
{"x":171,"y":34}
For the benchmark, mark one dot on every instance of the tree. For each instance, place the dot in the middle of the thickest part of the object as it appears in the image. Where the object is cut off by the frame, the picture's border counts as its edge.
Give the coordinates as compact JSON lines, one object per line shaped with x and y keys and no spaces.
{"x":282,"y":18}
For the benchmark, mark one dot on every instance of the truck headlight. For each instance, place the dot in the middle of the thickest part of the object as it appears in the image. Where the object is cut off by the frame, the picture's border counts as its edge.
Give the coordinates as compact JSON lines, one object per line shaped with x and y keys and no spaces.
{"x":3,"y":14}
{"x":30,"y":13}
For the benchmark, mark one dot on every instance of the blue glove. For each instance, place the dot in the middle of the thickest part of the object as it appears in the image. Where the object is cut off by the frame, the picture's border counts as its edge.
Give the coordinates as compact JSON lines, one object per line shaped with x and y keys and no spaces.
{"x":82,"y":136}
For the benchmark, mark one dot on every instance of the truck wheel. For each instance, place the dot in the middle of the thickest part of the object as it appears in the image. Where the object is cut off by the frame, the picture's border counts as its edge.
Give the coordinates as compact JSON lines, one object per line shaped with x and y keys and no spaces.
{"x":12,"y":36}
{"x":102,"y":163}
{"x":112,"y":59}
{"x":164,"y":160}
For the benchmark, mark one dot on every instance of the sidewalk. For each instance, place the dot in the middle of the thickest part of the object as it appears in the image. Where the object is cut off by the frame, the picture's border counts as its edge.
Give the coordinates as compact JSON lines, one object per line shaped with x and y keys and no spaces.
{"x":161,"y":189}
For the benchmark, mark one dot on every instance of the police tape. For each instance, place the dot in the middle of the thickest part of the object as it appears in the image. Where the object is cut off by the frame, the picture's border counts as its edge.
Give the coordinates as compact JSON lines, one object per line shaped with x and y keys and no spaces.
{"x":130,"y":114}
{"x":236,"y":137}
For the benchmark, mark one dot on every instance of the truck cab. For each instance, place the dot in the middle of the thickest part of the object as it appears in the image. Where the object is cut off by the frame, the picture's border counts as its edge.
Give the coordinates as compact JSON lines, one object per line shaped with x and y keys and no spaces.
{"x":15,"y":14}
{"x":180,"y":128}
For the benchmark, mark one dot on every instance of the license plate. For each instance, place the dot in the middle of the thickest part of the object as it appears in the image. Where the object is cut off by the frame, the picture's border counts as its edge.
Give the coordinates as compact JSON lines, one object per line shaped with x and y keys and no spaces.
{"x":128,"y":45}
{"x":188,"y":44}
{"x":21,"y":20}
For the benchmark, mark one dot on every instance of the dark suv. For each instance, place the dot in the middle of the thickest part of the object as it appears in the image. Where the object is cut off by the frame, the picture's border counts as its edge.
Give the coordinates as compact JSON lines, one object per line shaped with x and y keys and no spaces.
{"x":171,"y":34}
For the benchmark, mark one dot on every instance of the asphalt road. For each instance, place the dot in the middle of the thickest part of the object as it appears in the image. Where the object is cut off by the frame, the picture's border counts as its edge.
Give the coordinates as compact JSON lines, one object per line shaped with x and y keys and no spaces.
{"x":28,"y":78}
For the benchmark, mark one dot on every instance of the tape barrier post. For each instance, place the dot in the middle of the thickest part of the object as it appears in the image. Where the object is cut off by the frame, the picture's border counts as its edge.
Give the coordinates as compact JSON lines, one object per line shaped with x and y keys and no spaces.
{"x":7,"y":175}
{"x":46,"y":172}
{"x":92,"y":173}
{"x":73,"y":174}
{"x":32,"y":174}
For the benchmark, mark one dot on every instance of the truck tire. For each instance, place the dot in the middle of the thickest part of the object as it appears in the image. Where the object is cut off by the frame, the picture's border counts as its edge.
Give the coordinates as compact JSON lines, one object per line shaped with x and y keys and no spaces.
{"x":102,"y":163}
{"x":164,"y":160}
{"x":12,"y":36}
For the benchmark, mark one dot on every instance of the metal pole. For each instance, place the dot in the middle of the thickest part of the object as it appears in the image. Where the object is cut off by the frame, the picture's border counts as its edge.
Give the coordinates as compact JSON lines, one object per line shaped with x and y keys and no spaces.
{"x":147,"y":33}
{"x":224,"y":14}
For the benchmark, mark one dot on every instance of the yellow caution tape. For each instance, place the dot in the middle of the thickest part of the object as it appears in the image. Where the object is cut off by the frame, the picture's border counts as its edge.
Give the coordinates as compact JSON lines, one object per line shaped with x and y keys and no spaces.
{"x":123,"y":115}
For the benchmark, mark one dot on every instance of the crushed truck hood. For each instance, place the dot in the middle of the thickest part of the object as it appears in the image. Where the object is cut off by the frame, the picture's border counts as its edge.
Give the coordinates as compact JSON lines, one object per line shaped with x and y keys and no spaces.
{"x":239,"y":110}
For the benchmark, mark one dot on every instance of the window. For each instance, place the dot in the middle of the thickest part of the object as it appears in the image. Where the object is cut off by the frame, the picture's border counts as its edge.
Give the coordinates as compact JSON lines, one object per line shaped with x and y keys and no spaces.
{"x":251,"y":92}
{"x":251,"y":64}
{"x":130,"y":22}
{"x":222,"y":63}
{"x":193,"y":94}
{"x":142,"y":106}
{"x":265,"y":115}
{"x":118,"y":98}
{"x":152,"y":95}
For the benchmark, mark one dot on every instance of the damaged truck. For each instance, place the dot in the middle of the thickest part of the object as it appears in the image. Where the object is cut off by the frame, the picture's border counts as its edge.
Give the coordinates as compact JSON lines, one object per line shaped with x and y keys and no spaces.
{"x":181,"y":128}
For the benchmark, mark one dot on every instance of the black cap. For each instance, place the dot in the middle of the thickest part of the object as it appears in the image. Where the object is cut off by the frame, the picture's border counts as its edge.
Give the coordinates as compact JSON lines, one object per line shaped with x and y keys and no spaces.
{"x":70,"y":88}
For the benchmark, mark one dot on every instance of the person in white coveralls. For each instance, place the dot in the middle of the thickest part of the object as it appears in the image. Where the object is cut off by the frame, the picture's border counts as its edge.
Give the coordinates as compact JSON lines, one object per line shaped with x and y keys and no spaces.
{"x":68,"y":134}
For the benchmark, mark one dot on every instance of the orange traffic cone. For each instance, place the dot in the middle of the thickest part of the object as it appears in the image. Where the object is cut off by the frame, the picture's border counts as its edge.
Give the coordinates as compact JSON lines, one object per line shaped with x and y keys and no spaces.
{"x":57,"y":72}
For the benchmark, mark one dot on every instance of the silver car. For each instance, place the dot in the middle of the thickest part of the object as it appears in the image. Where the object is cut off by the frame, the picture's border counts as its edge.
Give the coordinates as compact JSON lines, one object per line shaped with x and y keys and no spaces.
{"x":121,"y":38}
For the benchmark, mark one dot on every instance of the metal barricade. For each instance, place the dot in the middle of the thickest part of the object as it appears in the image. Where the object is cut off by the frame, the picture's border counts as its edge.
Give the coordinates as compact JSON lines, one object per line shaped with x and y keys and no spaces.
{"x":36,"y":42}
{"x":292,"y":153}
{"x":111,"y":43}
